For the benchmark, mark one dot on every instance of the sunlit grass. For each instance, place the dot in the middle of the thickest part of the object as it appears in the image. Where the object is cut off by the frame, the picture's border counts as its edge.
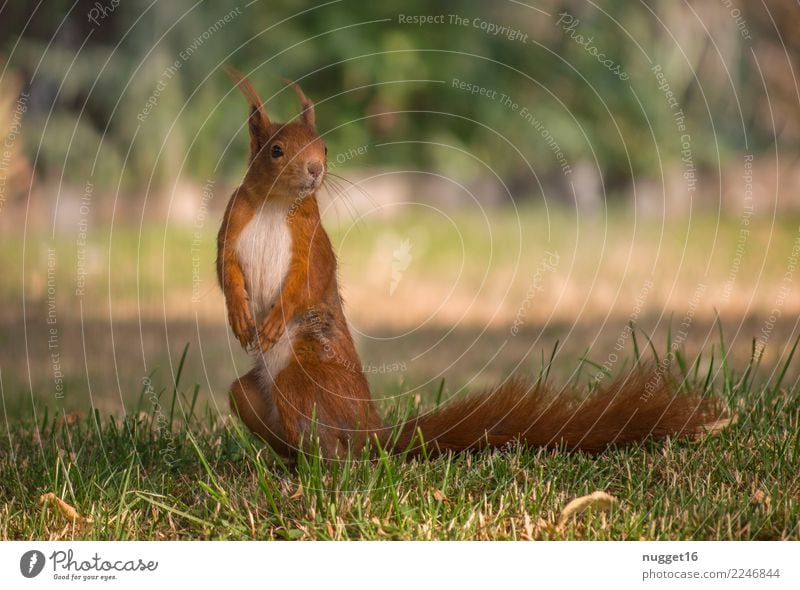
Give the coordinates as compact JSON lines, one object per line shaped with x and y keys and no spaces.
{"x":172,"y":470}
{"x":466,"y":273}
{"x":469,"y":248}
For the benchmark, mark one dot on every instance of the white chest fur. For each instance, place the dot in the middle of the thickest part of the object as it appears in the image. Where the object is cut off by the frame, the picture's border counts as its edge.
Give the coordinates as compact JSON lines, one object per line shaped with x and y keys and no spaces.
{"x":264,"y":250}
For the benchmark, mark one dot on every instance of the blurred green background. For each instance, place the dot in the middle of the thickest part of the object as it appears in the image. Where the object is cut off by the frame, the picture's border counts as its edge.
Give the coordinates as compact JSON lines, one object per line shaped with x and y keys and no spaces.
{"x":374,"y":79}
{"x":649,"y":142}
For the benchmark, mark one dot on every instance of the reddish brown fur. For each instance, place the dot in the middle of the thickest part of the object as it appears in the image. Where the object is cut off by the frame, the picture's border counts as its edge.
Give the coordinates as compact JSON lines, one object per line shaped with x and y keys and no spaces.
{"x":619,"y":413}
{"x":323,"y":378}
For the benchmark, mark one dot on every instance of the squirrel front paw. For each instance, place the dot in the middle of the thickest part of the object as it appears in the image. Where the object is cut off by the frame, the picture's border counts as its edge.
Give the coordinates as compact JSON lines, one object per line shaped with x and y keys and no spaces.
{"x":240,"y":320}
{"x":271,"y":329}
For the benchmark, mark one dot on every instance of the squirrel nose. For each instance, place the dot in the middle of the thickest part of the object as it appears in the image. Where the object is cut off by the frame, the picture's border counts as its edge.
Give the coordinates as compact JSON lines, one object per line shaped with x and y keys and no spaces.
{"x":315,"y":168}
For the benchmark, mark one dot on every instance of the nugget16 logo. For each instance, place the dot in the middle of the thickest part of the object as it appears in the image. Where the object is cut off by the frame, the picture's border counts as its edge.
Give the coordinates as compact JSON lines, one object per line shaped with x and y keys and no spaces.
{"x":31,"y":563}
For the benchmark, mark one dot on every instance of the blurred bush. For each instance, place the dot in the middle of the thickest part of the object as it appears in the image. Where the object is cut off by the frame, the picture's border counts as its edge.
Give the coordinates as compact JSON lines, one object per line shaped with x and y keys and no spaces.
{"x":136,"y":97}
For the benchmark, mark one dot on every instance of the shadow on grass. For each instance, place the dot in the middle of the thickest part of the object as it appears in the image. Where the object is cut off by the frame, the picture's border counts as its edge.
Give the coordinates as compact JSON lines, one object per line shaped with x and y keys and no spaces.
{"x":103,"y":363}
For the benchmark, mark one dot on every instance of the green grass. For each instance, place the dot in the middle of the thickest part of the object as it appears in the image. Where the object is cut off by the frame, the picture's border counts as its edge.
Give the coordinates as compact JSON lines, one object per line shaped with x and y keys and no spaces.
{"x":175,"y":471}
{"x":130,"y":262}
{"x":221,"y":483}
{"x":149,"y":290}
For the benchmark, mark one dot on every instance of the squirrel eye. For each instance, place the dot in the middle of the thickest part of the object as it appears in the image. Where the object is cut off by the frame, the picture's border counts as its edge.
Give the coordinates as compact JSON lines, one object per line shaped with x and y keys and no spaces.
{"x":277,"y":151}
{"x":326,"y":150}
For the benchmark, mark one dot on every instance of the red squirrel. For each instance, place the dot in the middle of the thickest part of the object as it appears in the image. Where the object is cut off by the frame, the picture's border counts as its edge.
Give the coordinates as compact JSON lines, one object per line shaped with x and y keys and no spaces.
{"x":277,"y":270}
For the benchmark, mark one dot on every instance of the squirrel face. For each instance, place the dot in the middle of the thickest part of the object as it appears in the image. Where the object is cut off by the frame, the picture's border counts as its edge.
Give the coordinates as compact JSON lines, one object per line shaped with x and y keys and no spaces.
{"x":288,"y":159}
{"x":293,"y":159}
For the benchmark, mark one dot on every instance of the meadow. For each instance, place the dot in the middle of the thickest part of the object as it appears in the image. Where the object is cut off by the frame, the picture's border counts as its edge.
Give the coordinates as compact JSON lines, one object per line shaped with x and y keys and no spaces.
{"x":136,"y":435}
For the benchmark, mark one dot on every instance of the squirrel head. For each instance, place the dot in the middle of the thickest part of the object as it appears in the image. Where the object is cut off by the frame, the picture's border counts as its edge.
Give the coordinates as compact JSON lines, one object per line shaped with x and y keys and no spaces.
{"x":286,"y":159}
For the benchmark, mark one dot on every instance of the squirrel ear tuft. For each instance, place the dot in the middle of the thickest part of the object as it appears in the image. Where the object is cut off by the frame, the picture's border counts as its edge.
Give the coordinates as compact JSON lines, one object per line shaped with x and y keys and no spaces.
{"x":258,"y":122}
{"x":307,"y":115}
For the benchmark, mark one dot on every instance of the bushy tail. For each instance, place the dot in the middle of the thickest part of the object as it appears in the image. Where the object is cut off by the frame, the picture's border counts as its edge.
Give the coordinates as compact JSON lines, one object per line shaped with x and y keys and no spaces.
{"x":639,"y":405}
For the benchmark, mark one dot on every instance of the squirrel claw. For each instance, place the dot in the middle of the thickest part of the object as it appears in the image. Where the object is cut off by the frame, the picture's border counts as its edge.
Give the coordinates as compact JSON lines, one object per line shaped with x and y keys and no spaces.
{"x":271,"y":330}
{"x":241,"y":323}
